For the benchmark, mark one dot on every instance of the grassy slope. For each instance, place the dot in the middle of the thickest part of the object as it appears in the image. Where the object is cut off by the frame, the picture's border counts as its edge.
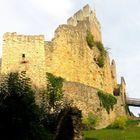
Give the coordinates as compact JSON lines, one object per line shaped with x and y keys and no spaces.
{"x":132,"y":132}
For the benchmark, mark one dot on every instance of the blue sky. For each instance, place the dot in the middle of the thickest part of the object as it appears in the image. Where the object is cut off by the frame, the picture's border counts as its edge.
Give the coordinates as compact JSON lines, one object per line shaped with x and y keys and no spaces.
{"x":119,"y":21}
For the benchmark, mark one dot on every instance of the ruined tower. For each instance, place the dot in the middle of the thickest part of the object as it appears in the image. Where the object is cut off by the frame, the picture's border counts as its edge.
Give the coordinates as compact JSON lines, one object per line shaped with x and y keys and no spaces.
{"x":69,"y":56}
{"x":24,"y":54}
{"x":92,"y":23}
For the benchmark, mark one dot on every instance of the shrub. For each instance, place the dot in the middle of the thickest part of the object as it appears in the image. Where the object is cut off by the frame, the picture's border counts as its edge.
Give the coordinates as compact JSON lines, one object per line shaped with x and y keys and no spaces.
{"x":103,"y":53}
{"x":90,"y":39}
{"x":101,"y":48}
{"x":100,"y":61}
{"x":107,"y":100}
{"x":120,"y":123}
{"x":90,"y":122}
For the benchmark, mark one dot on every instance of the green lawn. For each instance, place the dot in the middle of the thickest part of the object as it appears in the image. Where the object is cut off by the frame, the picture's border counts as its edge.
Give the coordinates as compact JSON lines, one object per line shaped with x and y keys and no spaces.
{"x":132,"y":132}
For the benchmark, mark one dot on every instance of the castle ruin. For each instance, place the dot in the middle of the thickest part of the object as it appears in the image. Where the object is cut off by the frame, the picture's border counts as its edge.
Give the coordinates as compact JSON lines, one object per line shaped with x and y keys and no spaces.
{"x":67,"y":55}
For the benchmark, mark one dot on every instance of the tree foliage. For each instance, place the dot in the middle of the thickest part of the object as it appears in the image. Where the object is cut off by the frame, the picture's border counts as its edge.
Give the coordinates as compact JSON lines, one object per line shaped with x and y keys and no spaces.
{"x":53,"y":93}
{"x":19,"y":114}
{"x":54,"y":90}
{"x":52,"y":101}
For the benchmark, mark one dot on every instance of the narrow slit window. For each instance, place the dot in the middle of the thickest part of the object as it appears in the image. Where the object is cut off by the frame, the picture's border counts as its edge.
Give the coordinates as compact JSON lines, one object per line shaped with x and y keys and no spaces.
{"x":23,"y":55}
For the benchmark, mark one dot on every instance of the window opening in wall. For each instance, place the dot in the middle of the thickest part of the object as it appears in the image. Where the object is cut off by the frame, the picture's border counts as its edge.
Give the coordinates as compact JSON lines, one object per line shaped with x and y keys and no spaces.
{"x":23,"y":59}
{"x":23,"y":55}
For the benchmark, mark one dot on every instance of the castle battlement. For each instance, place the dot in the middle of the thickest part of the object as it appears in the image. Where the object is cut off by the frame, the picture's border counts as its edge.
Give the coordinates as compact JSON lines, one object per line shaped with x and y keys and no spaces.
{"x":13,"y":36}
{"x":84,"y":14}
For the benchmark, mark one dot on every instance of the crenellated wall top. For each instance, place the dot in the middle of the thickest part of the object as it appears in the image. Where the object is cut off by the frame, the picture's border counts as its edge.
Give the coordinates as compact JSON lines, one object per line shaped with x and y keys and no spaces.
{"x":13,"y":36}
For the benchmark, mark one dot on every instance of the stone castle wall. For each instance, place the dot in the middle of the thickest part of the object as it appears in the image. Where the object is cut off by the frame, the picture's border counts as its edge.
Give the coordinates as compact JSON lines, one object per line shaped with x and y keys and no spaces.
{"x":69,"y":56}
{"x":24,"y":53}
{"x":86,"y":99}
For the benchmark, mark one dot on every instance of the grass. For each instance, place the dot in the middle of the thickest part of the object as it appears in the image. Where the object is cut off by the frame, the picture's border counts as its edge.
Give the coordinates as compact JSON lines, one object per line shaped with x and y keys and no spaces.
{"x":132,"y":132}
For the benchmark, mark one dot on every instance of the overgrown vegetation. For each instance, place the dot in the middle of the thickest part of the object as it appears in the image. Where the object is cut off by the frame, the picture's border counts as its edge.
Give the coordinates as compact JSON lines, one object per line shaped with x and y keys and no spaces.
{"x":22,"y":119}
{"x":107,"y":100}
{"x":131,"y":132}
{"x":100,"y":61}
{"x":54,"y":91}
{"x":90,"y":122}
{"x":90,"y":39}
{"x":58,"y":115}
{"x":103,"y":52}
{"x":101,"y":48}
{"x":19,"y":114}
{"x":119,"y":123}
{"x":51,"y":103}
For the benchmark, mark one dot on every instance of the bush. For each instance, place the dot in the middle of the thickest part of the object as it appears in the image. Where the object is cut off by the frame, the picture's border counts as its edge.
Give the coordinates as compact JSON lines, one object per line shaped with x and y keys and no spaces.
{"x":90,"y":39}
{"x":90,"y":122}
{"x":120,"y":123}
{"x":101,"y":48}
{"x":100,"y":61}
{"x":103,"y":53}
{"x":107,"y":100}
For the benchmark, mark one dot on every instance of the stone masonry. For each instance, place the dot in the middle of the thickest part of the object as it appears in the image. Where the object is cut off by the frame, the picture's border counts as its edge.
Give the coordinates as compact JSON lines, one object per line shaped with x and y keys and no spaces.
{"x":25,"y":53}
{"x":67,"y":55}
{"x":86,"y":99}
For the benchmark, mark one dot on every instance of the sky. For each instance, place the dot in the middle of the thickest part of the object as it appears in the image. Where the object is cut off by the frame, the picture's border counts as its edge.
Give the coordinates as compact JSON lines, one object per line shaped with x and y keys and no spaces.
{"x":120,"y":23}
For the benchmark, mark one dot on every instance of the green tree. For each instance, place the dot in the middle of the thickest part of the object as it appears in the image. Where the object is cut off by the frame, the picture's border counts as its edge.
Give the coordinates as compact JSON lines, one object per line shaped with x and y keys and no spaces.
{"x":51,"y":104}
{"x":19,"y":115}
{"x":54,"y":90}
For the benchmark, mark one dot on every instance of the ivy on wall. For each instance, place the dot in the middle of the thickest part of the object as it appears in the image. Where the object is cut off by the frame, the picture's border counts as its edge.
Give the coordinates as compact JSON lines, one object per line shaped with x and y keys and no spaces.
{"x":107,"y":100}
